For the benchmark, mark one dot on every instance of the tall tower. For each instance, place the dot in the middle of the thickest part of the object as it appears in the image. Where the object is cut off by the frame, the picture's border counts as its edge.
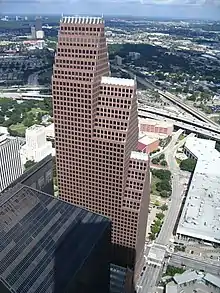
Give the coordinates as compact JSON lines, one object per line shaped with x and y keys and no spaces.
{"x":96,"y":131}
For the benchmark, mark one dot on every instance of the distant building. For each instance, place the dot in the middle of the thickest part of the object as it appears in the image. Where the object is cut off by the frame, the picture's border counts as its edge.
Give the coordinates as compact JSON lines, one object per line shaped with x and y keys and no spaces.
{"x":38,"y":24}
{"x":33,"y":32}
{"x":118,"y":60}
{"x":40,"y":34}
{"x":36,"y":147}
{"x":155,"y":126}
{"x":147,"y":144}
{"x":134,"y":55}
{"x":48,"y":245}
{"x":10,"y":160}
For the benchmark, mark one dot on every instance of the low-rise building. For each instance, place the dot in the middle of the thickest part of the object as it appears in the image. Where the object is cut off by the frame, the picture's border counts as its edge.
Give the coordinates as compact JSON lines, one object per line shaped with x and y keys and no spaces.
{"x":200,"y":218}
{"x":155,"y":126}
{"x":193,"y":281}
{"x":37,"y":147}
{"x":147,"y":144}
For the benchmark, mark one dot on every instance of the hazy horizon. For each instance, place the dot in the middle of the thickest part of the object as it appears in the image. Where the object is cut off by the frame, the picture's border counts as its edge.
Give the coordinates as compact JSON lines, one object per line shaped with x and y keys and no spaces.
{"x":176,"y":9}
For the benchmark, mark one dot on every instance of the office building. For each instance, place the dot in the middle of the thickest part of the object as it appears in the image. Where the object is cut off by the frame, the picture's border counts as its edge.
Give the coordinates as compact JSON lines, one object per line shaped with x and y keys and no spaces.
{"x":48,"y":245}
{"x":37,"y":147}
{"x":39,"y":176}
{"x":118,"y":60}
{"x":33,"y":32}
{"x":10,"y":160}
{"x":38,"y":24}
{"x":96,"y":134}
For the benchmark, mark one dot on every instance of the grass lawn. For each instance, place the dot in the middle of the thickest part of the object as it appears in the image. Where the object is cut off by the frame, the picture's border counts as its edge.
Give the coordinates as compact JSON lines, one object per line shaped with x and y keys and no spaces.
{"x":19,"y":127}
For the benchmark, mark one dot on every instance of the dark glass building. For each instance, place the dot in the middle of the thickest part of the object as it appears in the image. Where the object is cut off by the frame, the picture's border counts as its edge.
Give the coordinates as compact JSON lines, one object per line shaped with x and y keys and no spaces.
{"x":50,"y":246}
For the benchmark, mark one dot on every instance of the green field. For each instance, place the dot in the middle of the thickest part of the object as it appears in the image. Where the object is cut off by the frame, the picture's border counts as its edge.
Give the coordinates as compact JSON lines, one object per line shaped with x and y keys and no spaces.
{"x":20,"y":128}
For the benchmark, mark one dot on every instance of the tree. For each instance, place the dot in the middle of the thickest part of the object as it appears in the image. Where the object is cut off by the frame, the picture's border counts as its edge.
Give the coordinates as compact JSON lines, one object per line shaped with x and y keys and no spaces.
{"x":163,"y":163}
{"x":155,"y":229}
{"x":160,"y":216}
{"x":164,"y":207}
{"x":162,"y":174}
{"x":155,"y":161}
{"x":161,"y":157}
{"x":163,"y":185}
{"x":2,"y":119}
{"x":171,"y":271}
{"x":164,"y":193}
{"x":152,"y":236}
{"x":188,"y":165}
{"x":29,"y":164}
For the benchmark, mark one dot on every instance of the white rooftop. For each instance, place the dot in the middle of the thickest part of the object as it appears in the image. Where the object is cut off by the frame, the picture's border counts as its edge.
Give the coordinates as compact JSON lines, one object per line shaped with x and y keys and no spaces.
{"x":200,"y":217}
{"x":145,"y":139}
{"x":82,"y":20}
{"x":117,"y":81}
{"x":213,"y":280}
{"x":139,"y":156}
{"x":185,"y":277}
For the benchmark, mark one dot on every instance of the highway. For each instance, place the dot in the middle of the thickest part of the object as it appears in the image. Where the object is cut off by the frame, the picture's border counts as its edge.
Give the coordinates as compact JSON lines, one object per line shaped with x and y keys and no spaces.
{"x":179,"y":118}
{"x":170,"y":97}
{"x":182,"y":125}
{"x":194,"y":263}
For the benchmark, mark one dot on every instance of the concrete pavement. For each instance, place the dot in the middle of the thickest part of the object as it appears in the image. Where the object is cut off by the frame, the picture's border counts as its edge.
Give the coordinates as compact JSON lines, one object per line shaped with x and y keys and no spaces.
{"x":194,"y":263}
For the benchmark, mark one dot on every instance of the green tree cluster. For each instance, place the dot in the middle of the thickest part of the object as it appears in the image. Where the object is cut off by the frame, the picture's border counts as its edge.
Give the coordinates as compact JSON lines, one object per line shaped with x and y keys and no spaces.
{"x":188,"y":165}
{"x":162,"y":174}
{"x":29,"y":164}
{"x":171,"y":270}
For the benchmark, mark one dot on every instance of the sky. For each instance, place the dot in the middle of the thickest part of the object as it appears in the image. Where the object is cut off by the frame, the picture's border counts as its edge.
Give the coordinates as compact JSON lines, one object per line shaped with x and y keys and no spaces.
{"x":199,"y":9}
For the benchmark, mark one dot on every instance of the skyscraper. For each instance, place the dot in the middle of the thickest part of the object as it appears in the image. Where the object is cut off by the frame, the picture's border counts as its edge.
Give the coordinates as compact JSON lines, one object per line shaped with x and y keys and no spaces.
{"x":10,"y":160}
{"x":38,"y":24}
{"x":96,"y":133}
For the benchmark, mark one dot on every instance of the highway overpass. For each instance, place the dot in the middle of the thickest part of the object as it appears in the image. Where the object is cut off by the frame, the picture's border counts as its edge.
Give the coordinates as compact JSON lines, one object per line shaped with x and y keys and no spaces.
{"x":174,"y":99}
{"x":186,"y":126}
{"x":180,"y":118}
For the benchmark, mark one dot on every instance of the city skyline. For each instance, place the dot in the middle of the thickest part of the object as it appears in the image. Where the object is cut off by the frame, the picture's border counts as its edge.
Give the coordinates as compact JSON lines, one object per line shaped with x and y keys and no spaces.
{"x":199,"y":9}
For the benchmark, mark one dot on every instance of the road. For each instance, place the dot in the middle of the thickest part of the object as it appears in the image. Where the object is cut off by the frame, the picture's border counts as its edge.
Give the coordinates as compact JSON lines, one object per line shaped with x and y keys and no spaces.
{"x":194,"y":263}
{"x":147,"y":282}
{"x":33,"y":79}
{"x":177,"y":191}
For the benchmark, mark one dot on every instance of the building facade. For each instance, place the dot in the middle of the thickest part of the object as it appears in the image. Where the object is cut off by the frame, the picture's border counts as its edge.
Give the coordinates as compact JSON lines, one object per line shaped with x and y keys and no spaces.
{"x":37,"y":147}
{"x":10,"y":160}
{"x":96,"y":133}
{"x":155,"y":126}
{"x":48,"y":245}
